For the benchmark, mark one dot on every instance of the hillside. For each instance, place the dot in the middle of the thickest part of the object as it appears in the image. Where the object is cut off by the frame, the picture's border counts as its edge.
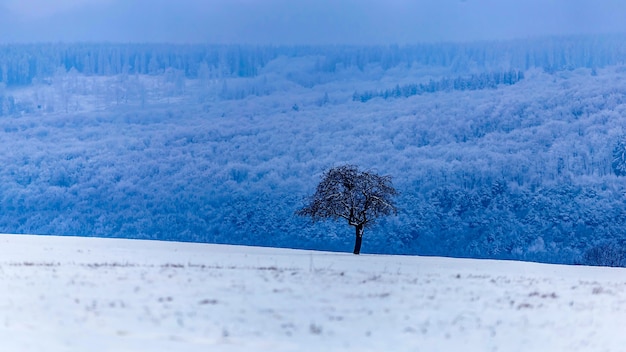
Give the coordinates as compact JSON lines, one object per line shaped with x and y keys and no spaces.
{"x":77,"y":294}
{"x":499,"y":150}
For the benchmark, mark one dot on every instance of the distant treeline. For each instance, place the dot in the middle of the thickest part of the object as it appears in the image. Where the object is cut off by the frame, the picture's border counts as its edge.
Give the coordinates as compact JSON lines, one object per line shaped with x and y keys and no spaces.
{"x":474,"y":82}
{"x":22,"y":64}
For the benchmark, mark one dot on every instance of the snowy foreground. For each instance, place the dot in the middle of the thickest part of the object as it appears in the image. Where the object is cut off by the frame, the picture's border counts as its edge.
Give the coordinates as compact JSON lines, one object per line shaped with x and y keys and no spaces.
{"x":89,"y":294}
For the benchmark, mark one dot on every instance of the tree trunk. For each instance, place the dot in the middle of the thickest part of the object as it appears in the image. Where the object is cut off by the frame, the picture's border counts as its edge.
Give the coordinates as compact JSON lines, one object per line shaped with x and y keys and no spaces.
{"x":359,"y":239}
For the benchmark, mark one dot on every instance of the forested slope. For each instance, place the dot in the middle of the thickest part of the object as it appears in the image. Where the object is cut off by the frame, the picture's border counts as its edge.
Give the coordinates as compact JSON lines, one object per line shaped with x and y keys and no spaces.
{"x":221,"y":143}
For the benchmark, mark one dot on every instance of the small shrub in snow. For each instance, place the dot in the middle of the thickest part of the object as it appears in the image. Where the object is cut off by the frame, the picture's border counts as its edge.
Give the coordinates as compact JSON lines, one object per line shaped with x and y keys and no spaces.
{"x":606,"y":254}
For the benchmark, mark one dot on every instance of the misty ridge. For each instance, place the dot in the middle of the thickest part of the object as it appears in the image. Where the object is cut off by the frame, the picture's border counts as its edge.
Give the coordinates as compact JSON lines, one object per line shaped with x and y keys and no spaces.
{"x":509,"y":150}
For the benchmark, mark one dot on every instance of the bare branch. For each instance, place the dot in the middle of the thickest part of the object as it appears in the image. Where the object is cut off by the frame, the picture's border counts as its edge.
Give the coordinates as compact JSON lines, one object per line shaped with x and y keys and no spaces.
{"x":347,"y":193}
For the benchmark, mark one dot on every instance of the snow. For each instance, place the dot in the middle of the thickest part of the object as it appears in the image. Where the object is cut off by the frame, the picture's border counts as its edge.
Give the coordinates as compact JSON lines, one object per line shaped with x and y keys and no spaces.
{"x":94,"y":294}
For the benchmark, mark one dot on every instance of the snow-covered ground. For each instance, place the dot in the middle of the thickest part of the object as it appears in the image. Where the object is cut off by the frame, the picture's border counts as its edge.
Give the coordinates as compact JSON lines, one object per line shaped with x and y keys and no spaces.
{"x":90,"y":294}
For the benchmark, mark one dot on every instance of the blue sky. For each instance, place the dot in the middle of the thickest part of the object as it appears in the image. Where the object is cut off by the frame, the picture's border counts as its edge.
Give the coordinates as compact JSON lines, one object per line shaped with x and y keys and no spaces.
{"x":303,"y":21}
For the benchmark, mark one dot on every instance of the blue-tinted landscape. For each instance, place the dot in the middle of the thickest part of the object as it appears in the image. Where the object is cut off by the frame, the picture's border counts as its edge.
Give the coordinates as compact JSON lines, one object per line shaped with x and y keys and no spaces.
{"x":336,"y":175}
{"x":499,"y":149}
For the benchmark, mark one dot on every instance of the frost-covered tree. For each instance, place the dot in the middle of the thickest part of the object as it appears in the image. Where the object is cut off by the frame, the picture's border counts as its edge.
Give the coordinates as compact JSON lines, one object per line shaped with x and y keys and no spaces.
{"x":619,"y":158}
{"x":357,"y":196}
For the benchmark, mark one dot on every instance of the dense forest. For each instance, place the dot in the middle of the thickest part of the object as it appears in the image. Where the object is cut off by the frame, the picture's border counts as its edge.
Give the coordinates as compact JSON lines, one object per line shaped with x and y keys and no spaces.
{"x":23,"y":64}
{"x":516,"y":151}
{"x":474,"y":82}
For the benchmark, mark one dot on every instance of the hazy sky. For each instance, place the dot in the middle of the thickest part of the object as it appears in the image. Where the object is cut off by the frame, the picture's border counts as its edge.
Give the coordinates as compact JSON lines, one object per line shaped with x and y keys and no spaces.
{"x":303,"y":21}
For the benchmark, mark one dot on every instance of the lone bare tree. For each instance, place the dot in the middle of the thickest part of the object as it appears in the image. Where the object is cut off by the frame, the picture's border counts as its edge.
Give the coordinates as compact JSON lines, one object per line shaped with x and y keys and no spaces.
{"x":357,"y":196}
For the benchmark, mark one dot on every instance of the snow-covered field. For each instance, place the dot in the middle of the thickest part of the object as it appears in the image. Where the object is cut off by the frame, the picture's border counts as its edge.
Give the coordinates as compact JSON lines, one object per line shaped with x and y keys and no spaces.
{"x":89,"y":294}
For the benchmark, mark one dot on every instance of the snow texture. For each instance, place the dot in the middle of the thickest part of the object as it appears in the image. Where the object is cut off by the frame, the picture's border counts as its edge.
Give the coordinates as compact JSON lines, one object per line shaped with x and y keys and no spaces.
{"x":89,"y":294}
